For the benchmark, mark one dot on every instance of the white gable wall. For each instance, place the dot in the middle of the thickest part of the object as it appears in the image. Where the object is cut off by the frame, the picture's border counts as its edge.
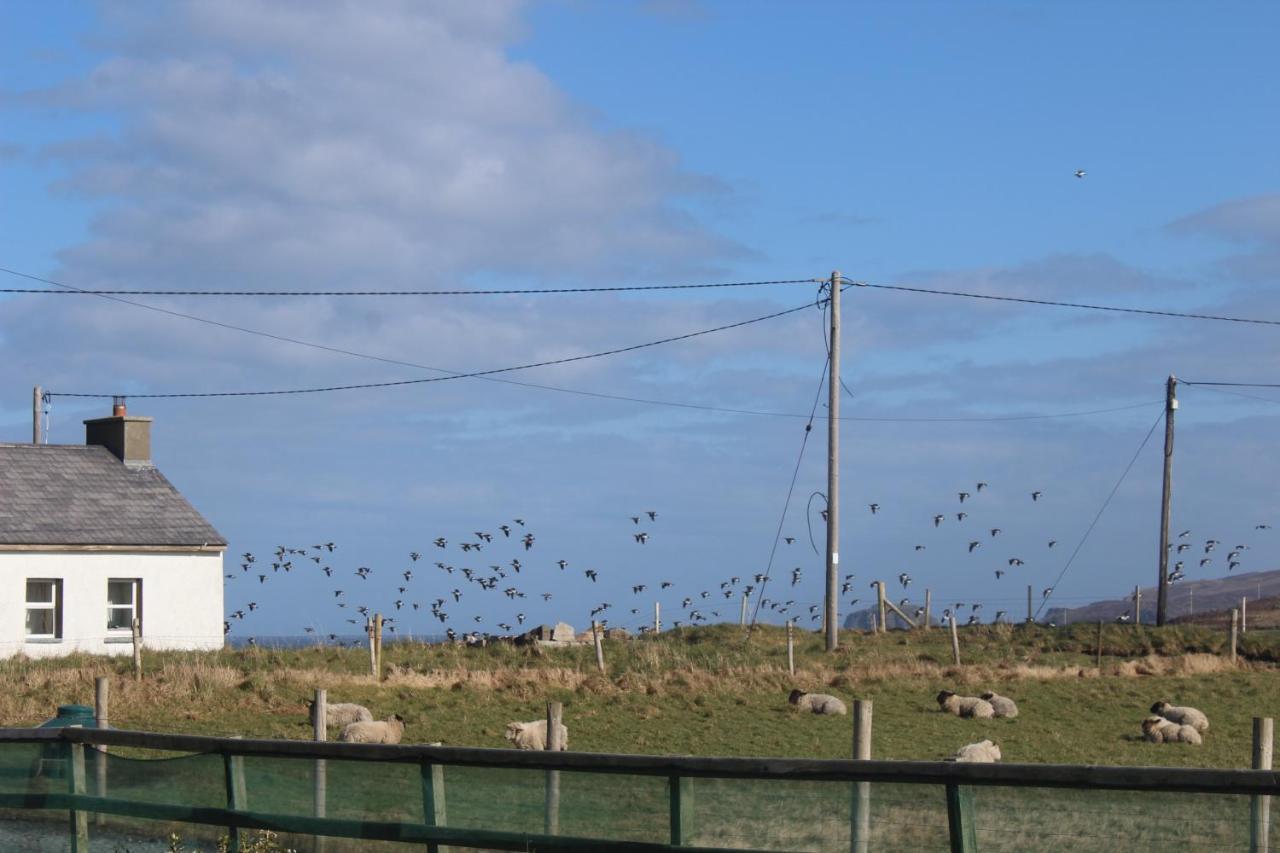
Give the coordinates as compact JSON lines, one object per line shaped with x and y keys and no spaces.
{"x":181,"y":604}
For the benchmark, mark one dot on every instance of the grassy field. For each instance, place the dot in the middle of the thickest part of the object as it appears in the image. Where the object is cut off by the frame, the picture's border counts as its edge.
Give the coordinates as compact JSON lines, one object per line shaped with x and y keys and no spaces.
{"x":712,"y":692}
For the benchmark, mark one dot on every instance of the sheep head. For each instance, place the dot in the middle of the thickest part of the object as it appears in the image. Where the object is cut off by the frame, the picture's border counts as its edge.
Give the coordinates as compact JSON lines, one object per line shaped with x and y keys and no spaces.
{"x":1159,"y":707}
{"x":795,"y":696}
{"x":943,"y":696}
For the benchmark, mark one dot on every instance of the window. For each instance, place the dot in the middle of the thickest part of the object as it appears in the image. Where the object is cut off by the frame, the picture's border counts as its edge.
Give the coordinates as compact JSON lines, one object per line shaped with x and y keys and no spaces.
{"x":44,"y":609}
{"x":123,"y":599}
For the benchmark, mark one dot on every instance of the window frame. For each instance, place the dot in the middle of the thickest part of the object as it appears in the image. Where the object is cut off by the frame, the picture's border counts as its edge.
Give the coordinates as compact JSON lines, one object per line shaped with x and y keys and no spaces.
{"x":54,"y":605}
{"x":135,"y":605}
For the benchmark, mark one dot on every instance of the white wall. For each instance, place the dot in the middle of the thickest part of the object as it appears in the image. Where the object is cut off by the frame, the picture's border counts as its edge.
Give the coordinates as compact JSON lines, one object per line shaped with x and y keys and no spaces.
{"x":181,"y":600}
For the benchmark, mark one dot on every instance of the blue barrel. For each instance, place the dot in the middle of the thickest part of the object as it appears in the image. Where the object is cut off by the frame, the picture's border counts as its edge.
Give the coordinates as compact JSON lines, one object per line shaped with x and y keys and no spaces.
{"x":72,"y":715}
{"x":51,"y":764}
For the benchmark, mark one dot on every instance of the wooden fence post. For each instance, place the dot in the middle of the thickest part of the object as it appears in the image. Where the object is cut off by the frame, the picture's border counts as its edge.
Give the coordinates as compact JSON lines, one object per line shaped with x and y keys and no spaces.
{"x":681,"y":809}
{"x":657,"y":617}
{"x":1235,"y":628}
{"x":1099,"y":658}
{"x":101,"y":701}
{"x":928,"y":608}
{"x":237,"y":794}
{"x":955,"y":641}
{"x":595,"y":638}
{"x":551,"y":822}
{"x":1260,"y":805}
{"x":373,"y":652}
{"x":791,"y":648}
{"x":860,"y":831}
{"x":320,"y":733}
{"x":434,"y":812}
{"x":1137,"y":605}
{"x":136,"y":627}
{"x":377,"y":645}
{"x":742,"y":617}
{"x":884,"y":626}
{"x":1030,"y":616}
{"x":1244,"y":614}
{"x":960,"y":820}
{"x":78,"y":820}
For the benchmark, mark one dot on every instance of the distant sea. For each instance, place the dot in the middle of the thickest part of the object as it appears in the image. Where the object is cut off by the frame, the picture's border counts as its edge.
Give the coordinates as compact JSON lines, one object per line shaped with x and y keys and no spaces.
{"x":303,"y":641}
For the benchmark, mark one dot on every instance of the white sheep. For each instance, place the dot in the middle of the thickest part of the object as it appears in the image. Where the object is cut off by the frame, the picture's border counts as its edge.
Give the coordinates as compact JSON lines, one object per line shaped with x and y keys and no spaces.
{"x":389,"y":730}
{"x":965,"y":706}
{"x":533,"y":734}
{"x":1159,"y":730}
{"x":1002,"y":705}
{"x":817,"y":703}
{"x":341,"y":714}
{"x":1183,"y":715}
{"x":982,"y":752}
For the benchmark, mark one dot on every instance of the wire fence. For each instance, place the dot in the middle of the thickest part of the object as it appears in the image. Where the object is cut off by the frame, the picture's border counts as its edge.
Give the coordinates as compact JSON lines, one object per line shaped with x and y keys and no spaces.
{"x":319,"y":794}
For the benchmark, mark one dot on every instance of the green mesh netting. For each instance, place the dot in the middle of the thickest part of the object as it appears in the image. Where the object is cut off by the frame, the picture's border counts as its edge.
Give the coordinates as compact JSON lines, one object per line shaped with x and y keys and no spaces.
{"x":726,"y":813}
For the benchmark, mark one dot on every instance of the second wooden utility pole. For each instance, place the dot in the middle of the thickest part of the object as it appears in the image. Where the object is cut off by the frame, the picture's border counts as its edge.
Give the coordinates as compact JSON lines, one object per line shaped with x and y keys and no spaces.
{"x":1166,"y":497}
{"x":833,"y":470}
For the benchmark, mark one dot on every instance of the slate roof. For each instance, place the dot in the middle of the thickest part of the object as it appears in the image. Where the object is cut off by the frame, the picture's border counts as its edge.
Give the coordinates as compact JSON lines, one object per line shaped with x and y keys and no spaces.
{"x":84,"y":495}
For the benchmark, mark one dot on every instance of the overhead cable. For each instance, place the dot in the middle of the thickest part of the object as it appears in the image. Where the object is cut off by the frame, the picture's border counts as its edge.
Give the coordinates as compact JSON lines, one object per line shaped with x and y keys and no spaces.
{"x":1049,"y":302}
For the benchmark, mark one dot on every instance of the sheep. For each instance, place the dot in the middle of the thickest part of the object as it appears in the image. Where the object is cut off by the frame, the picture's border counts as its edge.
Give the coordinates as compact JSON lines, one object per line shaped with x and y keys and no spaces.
{"x":982,"y":752}
{"x":1183,"y":715}
{"x":533,"y":735}
{"x":1159,"y":730}
{"x":341,"y":714}
{"x":389,"y":730}
{"x":818,"y":703}
{"x":965,"y":706}
{"x":1002,"y":705}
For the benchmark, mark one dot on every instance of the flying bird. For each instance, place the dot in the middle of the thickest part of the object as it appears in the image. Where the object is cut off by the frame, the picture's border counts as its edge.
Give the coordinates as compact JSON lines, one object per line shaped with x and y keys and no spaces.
{"x":1080,"y":173}
{"x":1035,"y":496}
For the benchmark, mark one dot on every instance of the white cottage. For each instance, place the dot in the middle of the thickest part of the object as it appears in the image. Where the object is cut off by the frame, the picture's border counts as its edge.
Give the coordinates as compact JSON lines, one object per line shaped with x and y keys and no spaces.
{"x":92,"y":537}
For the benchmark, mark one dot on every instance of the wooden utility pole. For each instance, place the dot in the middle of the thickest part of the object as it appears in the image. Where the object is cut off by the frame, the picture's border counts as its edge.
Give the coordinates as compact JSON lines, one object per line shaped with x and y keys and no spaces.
{"x":742,"y":616}
{"x":37,"y":414}
{"x":928,"y":601}
{"x":1137,"y":605}
{"x":833,"y":471}
{"x":1166,"y":498}
{"x":1030,"y":618}
{"x":880,"y":612}
{"x":657,"y":617}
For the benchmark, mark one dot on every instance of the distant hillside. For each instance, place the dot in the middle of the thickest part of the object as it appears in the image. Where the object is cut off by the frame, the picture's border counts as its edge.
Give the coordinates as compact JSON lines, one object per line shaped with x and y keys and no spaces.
{"x":1186,"y":599}
{"x":1260,"y":613}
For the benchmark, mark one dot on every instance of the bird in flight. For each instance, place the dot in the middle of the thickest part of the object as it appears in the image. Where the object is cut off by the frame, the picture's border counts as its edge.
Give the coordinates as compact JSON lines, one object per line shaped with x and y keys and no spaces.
{"x":1035,"y":496}
{"x":874,"y":508}
{"x":1080,"y":173}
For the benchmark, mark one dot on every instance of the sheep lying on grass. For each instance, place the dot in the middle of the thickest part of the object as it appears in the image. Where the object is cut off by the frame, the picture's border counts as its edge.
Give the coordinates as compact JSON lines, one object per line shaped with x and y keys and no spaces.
{"x":817,"y":703}
{"x":1159,"y":730}
{"x":965,"y":706}
{"x":340,"y":714}
{"x":1002,"y":705}
{"x":982,"y":752}
{"x":389,"y":730}
{"x":1182,"y":715}
{"x":533,"y":735}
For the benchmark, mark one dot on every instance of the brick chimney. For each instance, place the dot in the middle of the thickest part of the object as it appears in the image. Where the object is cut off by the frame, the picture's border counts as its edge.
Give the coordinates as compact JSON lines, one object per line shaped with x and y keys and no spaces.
{"x":129,"y":438}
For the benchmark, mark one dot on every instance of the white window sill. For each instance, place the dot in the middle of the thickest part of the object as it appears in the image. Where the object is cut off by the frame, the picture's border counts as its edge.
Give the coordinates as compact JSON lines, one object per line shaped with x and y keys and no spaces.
{"x":45,"y":640}
{"x":127,"y":638}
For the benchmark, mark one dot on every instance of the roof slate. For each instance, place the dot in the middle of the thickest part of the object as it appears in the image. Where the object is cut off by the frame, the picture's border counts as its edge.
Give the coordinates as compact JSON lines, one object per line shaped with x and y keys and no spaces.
{"x":84,"y":495}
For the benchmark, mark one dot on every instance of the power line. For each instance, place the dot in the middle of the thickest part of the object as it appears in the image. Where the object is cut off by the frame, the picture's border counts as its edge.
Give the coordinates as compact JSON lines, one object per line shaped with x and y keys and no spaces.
{"x":1049,"y":302}
{"x":777,"y":536}
{"x":72,"y":290}
{"x":478,"y":373}
{"x":1101,"y":510}
{"x":1233,"y":384}
{"x":1239,"y":394}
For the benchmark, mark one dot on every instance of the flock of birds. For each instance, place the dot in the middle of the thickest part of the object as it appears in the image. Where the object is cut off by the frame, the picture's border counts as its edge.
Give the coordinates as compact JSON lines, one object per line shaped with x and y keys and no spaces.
{"x":502,"y":570}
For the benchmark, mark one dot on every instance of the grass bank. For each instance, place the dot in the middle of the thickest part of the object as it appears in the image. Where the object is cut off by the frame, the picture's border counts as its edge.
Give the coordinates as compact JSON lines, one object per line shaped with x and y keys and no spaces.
{"x":709,"y":691}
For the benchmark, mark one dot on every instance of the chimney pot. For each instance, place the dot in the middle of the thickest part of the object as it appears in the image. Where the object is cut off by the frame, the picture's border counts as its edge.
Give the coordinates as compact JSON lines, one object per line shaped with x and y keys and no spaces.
{"x":118,"y":407}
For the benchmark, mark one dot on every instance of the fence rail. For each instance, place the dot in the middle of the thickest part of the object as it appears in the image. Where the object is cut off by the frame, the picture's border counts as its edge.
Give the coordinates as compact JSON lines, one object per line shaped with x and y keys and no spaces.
{"x":955,"y":785}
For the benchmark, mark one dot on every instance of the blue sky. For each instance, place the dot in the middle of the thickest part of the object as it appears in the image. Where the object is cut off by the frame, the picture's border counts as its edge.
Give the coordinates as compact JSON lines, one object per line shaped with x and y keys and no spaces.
{"x":249,"y":145}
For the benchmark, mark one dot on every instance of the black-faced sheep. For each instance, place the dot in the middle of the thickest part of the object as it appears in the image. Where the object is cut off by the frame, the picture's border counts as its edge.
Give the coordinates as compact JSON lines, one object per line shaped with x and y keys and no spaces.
{"x":817,"y":703}
{"x":389,"y":730}
{"x":533,"y":735}
{"x":965,"y":706}
{"x":1002,"y":705}
{"x":982,"y":752}
{"x":1183,"y":715}
{"x":1159,"y":730}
